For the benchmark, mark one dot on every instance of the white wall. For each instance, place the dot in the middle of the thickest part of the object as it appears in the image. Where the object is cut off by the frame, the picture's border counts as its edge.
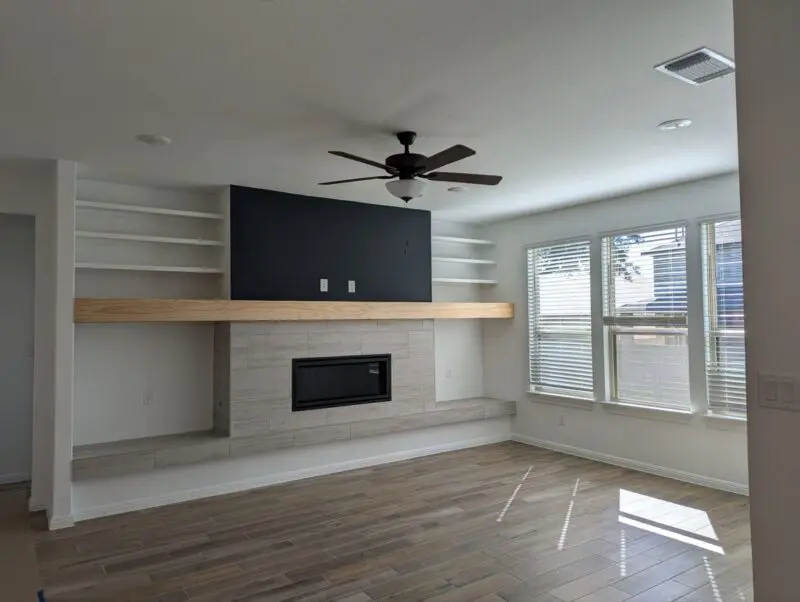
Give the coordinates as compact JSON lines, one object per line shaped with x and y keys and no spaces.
{"x":30,"y":187}
{"x":768,"y":94}
{"x":705,"y":449}
{"x":17,"y":256}
{"x":123,"y":494}
{"x":458,"y":344}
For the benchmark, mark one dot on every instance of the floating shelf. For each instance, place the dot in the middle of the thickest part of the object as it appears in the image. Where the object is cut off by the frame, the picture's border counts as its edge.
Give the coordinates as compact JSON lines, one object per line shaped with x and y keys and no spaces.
{"x":464,"y":260}
{"x":143,"y":209}
{"x":462,"y":241}
{"x":155,"y":239}
{"x":147,"y":268}
{"x":222,"y":310}
{"x":464,"y":281}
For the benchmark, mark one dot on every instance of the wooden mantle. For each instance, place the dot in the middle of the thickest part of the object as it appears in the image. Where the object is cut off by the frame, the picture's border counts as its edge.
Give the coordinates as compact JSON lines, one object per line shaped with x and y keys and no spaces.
{"x":221,"y":310}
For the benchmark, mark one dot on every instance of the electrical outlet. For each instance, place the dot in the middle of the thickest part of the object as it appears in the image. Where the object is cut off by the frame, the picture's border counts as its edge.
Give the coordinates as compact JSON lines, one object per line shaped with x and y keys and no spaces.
{"x":148,"y":397}
{"x":323,"y":285}
{"x":351,"y":286}
{"x":561,"y":420}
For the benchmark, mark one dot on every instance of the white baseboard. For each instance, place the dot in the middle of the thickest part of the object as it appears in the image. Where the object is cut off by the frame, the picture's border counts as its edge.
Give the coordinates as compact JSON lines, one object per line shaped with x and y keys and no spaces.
{"x":661,"y":471}
{"x":274,"y":479}
{"x":60,"y":522}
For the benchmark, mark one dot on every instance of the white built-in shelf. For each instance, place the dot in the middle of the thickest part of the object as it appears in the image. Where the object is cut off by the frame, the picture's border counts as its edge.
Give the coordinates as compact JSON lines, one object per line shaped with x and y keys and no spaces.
{"x":143,"y":209}
{"x":155,"y":239}
{"x":469,"y":260}
{"x":462,"y":241}
{"x":147,"y":268}
{"x":464,"y":281}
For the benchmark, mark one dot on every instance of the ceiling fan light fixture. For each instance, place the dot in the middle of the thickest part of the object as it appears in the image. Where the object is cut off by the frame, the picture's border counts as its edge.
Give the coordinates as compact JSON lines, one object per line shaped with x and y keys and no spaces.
{"x":406,"y":189}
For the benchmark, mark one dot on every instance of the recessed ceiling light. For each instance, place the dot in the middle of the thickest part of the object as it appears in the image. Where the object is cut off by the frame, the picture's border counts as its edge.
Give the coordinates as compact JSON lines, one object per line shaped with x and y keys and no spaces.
{"x":457,"y":189}
{"x":154,"y":139}
{"x":674,"y":124}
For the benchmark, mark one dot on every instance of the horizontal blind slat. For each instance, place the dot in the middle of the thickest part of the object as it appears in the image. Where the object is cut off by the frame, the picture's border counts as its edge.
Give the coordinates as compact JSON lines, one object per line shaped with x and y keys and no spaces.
{"x":559,"y":319}
{"x":723,"y":296}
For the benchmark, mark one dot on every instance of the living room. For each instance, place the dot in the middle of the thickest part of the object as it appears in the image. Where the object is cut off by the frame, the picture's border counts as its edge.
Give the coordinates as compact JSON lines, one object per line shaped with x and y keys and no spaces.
{"x":351,"y":301}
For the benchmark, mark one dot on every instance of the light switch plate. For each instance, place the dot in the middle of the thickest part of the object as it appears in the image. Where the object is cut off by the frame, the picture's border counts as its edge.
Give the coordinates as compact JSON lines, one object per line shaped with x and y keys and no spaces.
{"x":778,"y":391}
{"x":323,"y":285}
{"x":351,"y":286}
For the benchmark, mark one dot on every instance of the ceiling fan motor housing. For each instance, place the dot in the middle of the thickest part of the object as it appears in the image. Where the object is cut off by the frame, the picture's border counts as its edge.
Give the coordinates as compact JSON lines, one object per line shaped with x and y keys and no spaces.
{"x":406,"y":163}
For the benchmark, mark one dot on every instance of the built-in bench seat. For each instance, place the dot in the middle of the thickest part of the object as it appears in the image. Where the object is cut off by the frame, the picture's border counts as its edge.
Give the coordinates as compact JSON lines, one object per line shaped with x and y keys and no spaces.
{"x":151,"y":453}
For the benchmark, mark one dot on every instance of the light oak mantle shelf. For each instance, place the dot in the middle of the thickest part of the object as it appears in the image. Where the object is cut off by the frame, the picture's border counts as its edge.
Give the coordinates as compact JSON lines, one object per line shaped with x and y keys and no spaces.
{"x":221,"y":310}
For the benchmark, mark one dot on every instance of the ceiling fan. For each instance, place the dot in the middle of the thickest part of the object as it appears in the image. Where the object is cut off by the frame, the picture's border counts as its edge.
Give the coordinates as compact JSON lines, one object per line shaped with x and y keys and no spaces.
{"x":405,"y":169}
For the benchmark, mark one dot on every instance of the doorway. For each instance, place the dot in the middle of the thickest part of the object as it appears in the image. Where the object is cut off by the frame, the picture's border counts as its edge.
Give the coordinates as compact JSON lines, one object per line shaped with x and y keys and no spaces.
{"x":17,"y":236}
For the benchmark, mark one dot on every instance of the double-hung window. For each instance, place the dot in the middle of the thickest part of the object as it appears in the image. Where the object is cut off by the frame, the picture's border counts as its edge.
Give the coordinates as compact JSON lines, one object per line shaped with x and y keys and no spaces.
{"x":560,"y":319}
{"x":644,"y":317}
{"x":724,"y":316}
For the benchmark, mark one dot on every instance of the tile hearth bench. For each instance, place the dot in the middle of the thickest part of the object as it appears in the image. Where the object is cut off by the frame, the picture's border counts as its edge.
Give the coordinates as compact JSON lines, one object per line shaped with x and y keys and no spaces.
{"x":140,"y":455}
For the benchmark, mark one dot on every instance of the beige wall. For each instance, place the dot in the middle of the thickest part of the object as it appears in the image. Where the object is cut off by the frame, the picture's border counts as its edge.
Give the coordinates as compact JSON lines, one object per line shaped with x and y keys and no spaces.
{"x":768,"y":97}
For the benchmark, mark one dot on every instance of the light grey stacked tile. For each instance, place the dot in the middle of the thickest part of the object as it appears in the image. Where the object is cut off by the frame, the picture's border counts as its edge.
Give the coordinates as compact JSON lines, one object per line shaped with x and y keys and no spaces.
{"x":249,"y":446}
{"x":113,"y":466}
{"x":322,"y":434}
{"x":386,"y":341}
{"x":349,"y":326}
{"x":253,"y":384}
{"x":368,"y":428}
{"x":405,"y":325}
{"x":222,"y":378}
{"x":193,"y":454}
{"x":276,"y":349}
{"x":420,"y":345}
{"x":283,"y":419}
{"x":329,"y":344}
{"x":367,"y":411}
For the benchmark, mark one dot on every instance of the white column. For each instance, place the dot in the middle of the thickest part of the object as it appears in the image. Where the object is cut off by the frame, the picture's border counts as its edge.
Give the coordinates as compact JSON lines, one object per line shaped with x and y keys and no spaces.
{"x":61,"y":504}
{"x":768,"y":97}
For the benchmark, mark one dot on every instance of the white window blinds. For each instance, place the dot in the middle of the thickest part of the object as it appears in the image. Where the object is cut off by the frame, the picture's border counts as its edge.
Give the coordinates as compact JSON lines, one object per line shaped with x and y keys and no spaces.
{"x":559,"y":319}
{"x":724,"y":316}
{"x":644,"y":313}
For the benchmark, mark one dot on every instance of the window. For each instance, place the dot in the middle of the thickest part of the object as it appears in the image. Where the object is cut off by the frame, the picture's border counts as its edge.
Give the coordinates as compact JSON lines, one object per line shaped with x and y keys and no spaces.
{"x":644,"y":314}
{"x":724,"y":316}
{"x":560,"y":320}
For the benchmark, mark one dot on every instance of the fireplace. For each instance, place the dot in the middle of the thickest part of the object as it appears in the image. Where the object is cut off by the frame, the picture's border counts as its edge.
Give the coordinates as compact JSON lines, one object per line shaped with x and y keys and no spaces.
{"x":328,"y":382}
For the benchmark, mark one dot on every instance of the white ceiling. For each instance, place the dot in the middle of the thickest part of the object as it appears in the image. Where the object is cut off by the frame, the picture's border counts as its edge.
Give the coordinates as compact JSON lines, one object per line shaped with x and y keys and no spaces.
{"x":558,"y":96}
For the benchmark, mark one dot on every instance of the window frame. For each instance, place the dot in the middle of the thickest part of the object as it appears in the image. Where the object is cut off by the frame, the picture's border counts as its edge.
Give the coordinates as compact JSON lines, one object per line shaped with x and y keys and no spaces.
{"x":692,"y":325}
{"x":658,"y":325}
{"x":708,"y":286}
{"x":555,"y":392}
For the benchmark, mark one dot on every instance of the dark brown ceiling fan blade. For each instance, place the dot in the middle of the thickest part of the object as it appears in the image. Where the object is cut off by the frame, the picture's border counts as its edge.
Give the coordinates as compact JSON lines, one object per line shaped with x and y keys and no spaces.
{"x":464,"y":178}
{"x":362,"y":160}
{"x":355,"y":180}
{"x":446,"y":157}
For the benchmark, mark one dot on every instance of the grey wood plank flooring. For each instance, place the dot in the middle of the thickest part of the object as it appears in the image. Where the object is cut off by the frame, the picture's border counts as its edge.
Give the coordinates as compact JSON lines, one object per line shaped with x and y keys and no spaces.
{"x":500,"y":523}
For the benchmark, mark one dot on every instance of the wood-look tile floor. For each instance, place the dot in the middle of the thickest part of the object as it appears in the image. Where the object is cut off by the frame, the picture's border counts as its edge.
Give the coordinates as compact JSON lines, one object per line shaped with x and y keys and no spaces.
{"x":504,"y":522}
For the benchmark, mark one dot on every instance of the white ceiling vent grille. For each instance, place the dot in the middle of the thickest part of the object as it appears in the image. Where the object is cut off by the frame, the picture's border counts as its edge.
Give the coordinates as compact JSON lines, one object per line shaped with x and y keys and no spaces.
{"x":698,"y":66}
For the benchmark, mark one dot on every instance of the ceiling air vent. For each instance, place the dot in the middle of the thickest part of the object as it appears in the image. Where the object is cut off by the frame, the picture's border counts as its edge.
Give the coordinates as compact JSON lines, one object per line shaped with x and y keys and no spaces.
{"x":698,"y":66}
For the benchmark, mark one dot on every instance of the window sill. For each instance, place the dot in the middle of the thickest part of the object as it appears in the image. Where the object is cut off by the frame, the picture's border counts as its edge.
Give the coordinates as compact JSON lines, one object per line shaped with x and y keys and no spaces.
{"x":642,"y":411}
{"x":580,"y":403}
{"x":727,"y":417}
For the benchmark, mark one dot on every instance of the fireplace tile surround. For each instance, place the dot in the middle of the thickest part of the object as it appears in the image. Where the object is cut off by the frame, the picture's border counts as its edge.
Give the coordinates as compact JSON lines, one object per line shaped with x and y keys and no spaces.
{"x":252,"y":410}
{"x":254,"y":397}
